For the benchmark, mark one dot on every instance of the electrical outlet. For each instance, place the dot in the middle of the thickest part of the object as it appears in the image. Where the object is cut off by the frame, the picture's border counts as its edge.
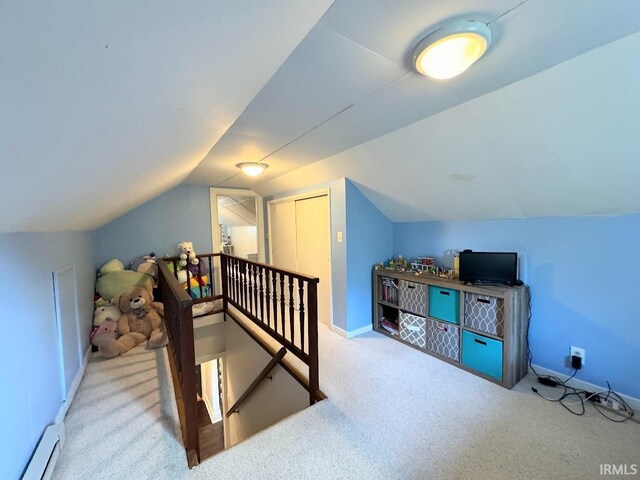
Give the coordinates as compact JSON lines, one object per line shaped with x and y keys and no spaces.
{"x":579,"y":352}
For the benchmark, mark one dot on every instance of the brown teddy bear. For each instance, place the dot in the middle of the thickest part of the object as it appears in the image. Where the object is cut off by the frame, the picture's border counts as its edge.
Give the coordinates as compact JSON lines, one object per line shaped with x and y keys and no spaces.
{"x":141,"y":319}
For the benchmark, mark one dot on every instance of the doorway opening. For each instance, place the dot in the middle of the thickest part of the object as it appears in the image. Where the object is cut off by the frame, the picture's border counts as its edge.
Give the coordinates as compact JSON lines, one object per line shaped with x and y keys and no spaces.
{"x":237,"y":223}
{"x":210,"y":407}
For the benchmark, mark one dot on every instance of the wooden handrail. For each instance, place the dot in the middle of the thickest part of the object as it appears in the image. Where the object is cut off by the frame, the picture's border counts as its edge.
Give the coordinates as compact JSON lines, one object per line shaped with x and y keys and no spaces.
{"x":261,"y":376}
{"x":299,"y":275}
{"x":178,"y":321}
{"x":176,"y":290}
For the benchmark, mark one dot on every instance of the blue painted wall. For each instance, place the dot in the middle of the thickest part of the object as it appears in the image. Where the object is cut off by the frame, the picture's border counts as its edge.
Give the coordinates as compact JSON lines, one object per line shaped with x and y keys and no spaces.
{"x":29,"y":366}
{"x":181,"y":214}
{"x":583,"y":274}
{"x":369,"y":238}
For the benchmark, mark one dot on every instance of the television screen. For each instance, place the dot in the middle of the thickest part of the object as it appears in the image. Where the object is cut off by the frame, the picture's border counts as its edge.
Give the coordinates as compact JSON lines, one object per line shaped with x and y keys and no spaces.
{"x":489,"y":267}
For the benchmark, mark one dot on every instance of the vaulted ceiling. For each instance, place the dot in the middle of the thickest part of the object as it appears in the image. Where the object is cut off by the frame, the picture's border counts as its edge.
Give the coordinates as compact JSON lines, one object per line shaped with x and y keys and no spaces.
{"x":105,"y":105}
{"x":563,"y":142}
{"x":351,"y":81}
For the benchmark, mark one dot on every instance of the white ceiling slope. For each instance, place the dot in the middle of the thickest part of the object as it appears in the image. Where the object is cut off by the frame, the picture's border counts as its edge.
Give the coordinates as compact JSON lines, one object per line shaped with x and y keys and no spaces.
{"x":351,"y":81}
{"x":107,"y":104}
{"x":562,"y":142}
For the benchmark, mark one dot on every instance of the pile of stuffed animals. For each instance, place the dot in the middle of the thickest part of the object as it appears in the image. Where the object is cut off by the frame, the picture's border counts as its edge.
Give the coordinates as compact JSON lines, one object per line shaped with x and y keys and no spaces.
{"x":191,"y":269}
{"x":128,"y":320}
{"x":125,"y":314}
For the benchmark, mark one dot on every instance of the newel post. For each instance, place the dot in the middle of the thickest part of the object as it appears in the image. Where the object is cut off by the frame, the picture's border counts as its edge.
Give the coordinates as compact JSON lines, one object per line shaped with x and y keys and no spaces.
{"x":225,"y":279}
{"x":314,"y":380}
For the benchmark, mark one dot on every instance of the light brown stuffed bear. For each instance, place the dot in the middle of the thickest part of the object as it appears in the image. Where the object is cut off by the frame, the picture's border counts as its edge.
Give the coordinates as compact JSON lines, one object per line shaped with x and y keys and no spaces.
{"x":141,"y":319}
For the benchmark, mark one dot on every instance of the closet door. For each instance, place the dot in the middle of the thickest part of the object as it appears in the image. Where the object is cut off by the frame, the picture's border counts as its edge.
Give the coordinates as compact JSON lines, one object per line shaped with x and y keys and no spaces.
{"x":283,"y":235}
{"x":314,"y":249}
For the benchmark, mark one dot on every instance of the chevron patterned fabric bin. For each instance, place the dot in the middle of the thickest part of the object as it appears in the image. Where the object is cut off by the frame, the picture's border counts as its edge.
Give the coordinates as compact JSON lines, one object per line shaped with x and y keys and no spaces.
{"x":443,"y":338}
{"x":412,"y":329}
{"x":413,"y":297}
{"x":484,"y":313}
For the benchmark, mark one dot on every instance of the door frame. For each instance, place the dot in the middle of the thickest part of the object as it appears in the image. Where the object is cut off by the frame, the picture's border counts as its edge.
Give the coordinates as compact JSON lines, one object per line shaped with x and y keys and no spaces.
{"x":305,"y":196}
{"x":215,"y":233}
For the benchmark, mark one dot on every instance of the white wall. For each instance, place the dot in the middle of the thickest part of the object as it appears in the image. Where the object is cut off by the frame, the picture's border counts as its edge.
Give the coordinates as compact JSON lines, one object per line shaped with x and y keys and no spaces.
{"x":244,"y":240}
{"x":30,"y":378}
{"x":210,"y":390}
{"x":271,"y":402}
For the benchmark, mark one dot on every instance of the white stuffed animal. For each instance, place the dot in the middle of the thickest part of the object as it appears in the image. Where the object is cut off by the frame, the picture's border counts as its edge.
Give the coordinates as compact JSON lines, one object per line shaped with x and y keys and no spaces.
{"x":187,"y":253}
{"x":106,"y":312}
{"x":183,"y":275}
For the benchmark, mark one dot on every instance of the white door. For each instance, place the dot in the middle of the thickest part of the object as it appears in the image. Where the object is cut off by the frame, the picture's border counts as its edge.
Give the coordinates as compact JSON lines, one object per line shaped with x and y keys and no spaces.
{"x":69,"y":342}
{"x":314,"y":249}
{"x":283,"y":235}
{"x":301,"y":241}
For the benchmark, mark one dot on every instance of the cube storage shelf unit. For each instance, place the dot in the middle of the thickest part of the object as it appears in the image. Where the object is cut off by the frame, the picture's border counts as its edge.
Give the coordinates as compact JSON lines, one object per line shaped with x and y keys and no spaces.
{"x":481,"y":329}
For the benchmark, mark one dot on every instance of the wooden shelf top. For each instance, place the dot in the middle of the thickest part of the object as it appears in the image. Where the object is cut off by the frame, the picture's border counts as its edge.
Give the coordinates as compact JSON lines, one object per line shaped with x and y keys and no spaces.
{"x":491,"y":290}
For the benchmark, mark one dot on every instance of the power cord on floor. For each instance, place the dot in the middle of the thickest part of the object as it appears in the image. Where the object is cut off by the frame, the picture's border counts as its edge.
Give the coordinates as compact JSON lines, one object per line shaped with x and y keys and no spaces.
{"x":597,"y":399}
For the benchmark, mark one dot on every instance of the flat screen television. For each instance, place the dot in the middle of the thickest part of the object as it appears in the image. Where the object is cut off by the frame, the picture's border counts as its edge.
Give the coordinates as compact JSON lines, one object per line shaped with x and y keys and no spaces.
{"x":489,"y":267}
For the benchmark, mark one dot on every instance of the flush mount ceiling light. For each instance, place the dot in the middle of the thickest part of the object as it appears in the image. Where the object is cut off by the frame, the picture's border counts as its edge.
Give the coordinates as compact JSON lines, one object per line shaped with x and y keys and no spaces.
{"x":450,"y":50}
{"x":253,"y":169}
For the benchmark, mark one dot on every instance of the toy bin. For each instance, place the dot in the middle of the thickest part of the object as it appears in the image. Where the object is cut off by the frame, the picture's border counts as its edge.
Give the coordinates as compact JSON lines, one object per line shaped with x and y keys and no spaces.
{"x":482,"y":353}
{"x":413,"y":329}
{"x":484,"y":313}
{"x":443,"y":339}
{"x":444,"y":304}
{"x":413,"y":297}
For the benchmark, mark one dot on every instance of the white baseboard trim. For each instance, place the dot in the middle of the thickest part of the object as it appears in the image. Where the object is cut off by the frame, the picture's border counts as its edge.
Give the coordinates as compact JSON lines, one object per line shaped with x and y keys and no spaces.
{"x":351,"y":333}
{"x":338,"y":330}
{"x":46,"y":455}
{"x":634,"y":403}
{"x":64,"y":408}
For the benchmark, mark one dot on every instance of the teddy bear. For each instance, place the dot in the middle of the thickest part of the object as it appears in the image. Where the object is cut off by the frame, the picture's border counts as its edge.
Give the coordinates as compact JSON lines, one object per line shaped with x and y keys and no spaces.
{"x":141,"y":320}
{"x":187,"y":253}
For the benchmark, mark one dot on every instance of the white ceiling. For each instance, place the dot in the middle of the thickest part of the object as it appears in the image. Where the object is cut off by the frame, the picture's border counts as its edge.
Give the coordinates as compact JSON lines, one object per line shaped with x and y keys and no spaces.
{"x":350,"y":80}
{"x":562,"y":142}
{"x":107,"y":104}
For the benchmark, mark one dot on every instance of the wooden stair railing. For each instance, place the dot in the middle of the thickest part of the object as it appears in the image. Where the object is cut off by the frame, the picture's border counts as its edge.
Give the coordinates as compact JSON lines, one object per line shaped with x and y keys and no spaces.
{"x":261,"y":376}
{"x":182,"y":360}
{"x":282,"y":303}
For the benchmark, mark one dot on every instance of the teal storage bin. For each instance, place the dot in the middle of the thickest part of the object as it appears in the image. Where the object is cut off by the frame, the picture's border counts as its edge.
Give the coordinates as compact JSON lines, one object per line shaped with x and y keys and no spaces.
{"x":482,"y":353}
{"x":444,"y":304}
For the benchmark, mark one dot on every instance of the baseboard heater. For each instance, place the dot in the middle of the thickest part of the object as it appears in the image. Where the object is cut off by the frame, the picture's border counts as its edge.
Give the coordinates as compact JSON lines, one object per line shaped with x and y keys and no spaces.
{"x":46,"y":455}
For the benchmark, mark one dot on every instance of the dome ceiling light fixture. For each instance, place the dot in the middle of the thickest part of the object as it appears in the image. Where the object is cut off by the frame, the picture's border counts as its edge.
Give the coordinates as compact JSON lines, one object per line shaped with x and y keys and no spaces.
{"x":253,"y":169}
{"x":450,"y":50}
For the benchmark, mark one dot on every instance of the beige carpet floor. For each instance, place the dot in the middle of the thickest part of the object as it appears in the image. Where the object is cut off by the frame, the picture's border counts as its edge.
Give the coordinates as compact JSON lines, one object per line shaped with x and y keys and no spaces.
{"x":392,"y":413}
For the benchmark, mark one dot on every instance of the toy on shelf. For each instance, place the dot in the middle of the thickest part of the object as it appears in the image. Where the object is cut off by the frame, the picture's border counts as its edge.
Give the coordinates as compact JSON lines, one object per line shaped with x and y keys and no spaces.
{"x":422,"y":264}
{"x":399,"y":264}
{"x":427,"y":266}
